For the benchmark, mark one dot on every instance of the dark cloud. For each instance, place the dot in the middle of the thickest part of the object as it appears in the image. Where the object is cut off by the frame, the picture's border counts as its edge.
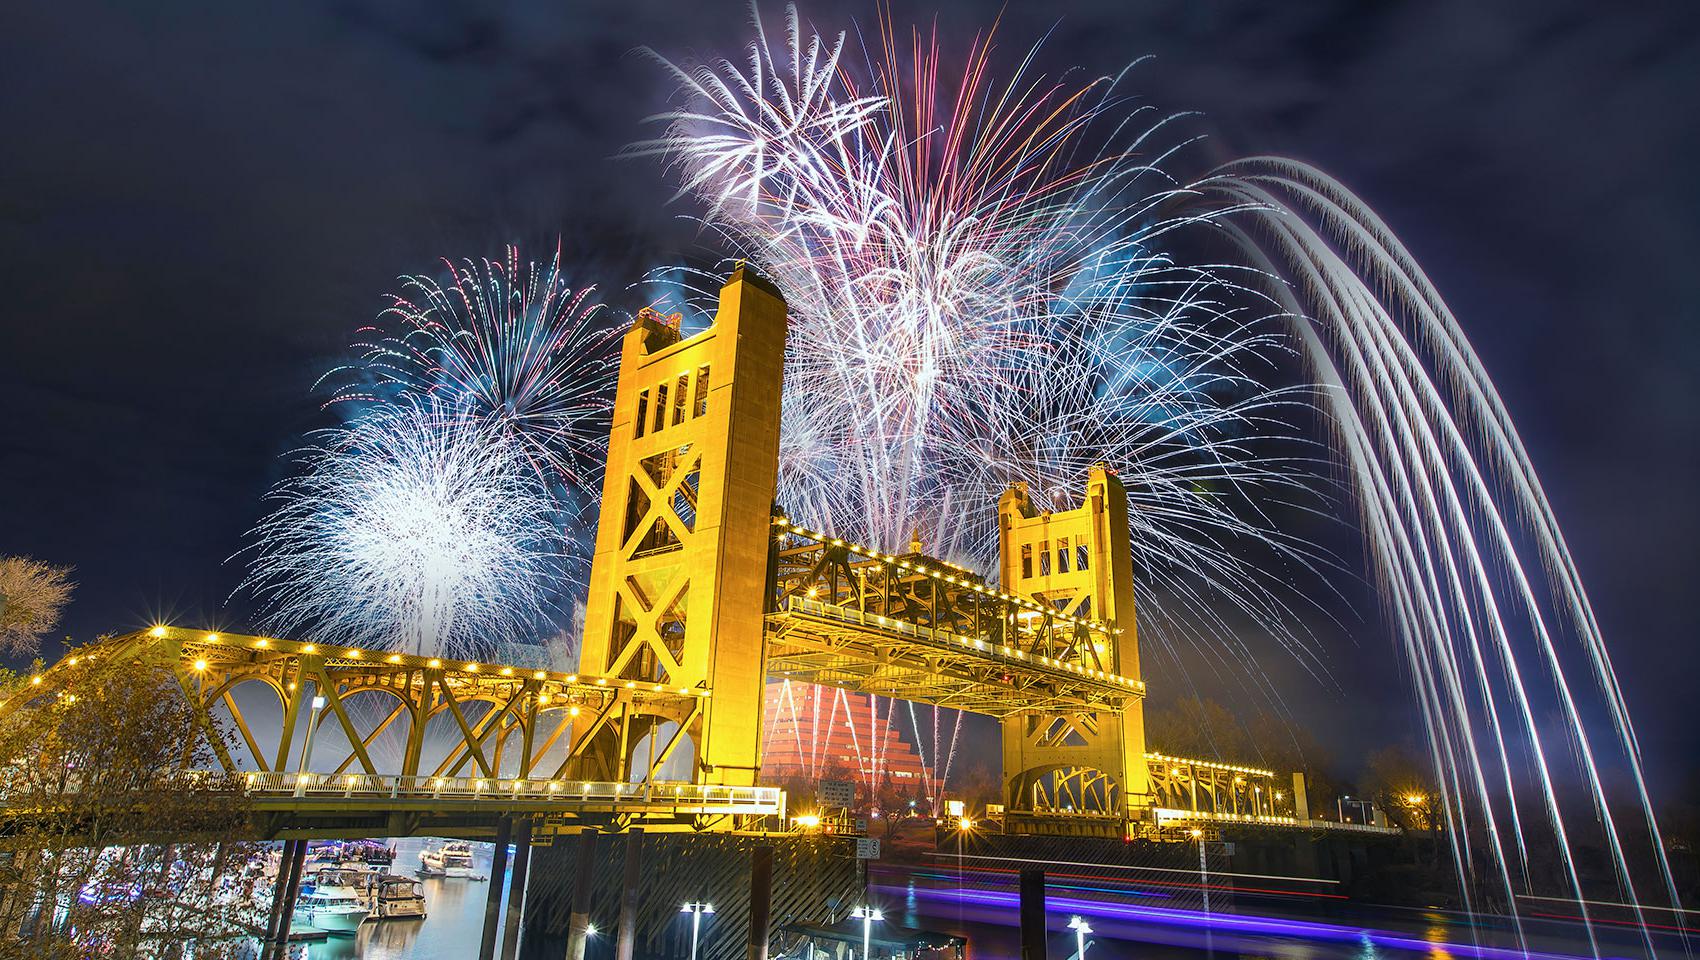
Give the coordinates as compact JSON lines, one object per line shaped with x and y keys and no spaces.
{"x":199,"y":202}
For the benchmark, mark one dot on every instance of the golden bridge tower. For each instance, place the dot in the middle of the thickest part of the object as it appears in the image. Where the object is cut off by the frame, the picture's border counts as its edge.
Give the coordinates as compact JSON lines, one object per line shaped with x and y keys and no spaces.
{"x":678,"y":585}
{"x":1080,"y":562}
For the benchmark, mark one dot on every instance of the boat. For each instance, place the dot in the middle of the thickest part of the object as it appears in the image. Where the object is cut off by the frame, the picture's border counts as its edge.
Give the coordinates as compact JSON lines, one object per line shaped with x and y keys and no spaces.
{"x":452,"y":859}
{"x":333,"y":902}
{"x":399,"y":898}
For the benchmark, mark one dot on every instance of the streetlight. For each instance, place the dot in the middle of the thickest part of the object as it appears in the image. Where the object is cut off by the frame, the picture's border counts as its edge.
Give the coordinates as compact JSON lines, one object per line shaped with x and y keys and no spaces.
{"x":1081,"y":928}
{"x":1203,"y":868}
{"x":307,"y":747}
{"x":696,"y":909}
{"x":869,"y":916}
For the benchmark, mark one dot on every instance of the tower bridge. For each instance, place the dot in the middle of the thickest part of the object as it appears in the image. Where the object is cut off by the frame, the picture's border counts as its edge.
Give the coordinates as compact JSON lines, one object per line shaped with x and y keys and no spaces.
{"x":701,"y":590}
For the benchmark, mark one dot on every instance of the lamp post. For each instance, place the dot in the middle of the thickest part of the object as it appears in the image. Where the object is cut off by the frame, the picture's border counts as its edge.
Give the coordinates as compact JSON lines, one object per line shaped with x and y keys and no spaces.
{"x":696,"y":909}
{"x":869,"y":916}
{"x":1081,"y":928}
{"x":1203,"y":868}
{"x":307,"y":747}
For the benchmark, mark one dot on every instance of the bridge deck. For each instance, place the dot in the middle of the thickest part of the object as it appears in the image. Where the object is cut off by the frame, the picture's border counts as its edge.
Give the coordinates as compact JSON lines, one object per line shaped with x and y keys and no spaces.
{"x":834,"y":645}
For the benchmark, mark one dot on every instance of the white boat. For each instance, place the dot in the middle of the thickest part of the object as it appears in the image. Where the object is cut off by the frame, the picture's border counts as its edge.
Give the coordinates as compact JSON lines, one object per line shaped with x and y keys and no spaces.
{"x":332,"y":904}
{"x":399,"y":898}
{"x":452,"y":859}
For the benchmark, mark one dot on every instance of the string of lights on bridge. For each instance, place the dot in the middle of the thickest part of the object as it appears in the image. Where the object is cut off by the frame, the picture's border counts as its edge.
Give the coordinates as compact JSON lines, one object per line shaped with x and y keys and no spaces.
{"x":969,"y":583}
{"x":406,"y":660}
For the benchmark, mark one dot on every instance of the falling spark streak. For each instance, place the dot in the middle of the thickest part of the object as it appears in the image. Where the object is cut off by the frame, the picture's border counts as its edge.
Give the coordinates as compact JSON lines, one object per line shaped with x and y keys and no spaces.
{"x":1447,"y":492}
{"x":981,"y":292}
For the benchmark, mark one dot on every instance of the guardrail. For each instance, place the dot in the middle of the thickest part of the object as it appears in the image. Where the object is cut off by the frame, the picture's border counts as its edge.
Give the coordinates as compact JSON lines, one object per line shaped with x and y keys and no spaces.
{"x":683,"y":797}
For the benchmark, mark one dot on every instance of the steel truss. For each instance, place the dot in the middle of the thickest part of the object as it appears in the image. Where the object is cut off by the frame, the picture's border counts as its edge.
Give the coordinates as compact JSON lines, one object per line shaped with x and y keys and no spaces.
{"x":916,"y":628}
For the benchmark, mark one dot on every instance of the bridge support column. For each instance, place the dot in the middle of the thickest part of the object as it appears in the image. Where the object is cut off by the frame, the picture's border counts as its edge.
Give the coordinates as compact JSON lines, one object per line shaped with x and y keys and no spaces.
{"x":584,"y":883}
{"x":626,"y":940}
{"x":493,"y":899}
{"x":283,"y":899}
{"x":1032,"y":914}
{"x":516,"y":890}
{"x":761,"y":900}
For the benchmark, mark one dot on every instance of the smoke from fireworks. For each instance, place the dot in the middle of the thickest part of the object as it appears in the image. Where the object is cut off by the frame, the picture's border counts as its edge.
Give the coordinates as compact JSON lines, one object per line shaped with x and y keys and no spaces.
{"x":418,"y":527}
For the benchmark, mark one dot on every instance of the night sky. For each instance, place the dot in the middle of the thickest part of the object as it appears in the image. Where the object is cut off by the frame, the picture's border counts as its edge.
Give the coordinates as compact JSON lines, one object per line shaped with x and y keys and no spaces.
{"x":200,"y":203}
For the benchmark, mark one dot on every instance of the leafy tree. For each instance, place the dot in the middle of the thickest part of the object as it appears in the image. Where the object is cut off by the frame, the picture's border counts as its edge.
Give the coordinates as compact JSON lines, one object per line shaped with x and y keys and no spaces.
{"x":32,"y":595}
{"x":1403,"y":786}
{"x":114,"y":841}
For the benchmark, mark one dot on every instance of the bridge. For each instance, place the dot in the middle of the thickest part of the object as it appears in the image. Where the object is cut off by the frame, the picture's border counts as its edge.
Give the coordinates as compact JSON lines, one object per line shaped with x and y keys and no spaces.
{"x":701,"y":591}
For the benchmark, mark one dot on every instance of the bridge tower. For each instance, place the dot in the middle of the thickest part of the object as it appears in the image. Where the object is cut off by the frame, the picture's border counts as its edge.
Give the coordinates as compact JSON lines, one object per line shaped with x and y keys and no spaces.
{"x":1081,"y":562}
{"x":678,"y":584}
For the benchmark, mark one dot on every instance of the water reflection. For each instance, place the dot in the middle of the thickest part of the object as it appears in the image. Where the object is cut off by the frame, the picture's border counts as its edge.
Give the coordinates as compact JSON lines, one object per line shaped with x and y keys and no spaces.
{"x":451,"y":929}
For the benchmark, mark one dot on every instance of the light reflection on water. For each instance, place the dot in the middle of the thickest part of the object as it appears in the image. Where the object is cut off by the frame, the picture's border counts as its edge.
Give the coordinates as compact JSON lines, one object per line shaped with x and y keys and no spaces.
{"x":451,"y":930}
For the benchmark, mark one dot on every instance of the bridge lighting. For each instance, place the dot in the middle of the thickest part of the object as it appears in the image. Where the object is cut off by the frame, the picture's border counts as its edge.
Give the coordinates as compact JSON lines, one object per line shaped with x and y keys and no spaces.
{"x":554,"y":785}
{"x":808,"y":821}
{"x":869,"y":916}
{"x":394,"y":658}
{"x":631,"y":684}
{"x":200,"y":664}
{"x":354,"y":654}
{"x":472,"y":668}
{"x":157,"y":632}
{"x":507,"y":671}
{"x":590,"y":929}
{"x":212,"y":638}
{"x":1081,"y":928}
{"x":539,"y":675}
{"x":262,"y":643}
{"x":696,"y":910}
{"x":35,"y":681}
{"x":571,"y":678}
{"x":74,"y":660}
{"x":964,"y":824}
{"x":434,"y":663}
{"x":1414,"y":799}
{"x":572,"y":711}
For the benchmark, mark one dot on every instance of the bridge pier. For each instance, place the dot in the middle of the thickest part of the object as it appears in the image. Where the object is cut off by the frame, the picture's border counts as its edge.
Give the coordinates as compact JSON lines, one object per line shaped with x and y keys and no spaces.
{"x":516,"y":890}
{"x":1032,"y":914}
{"x":761,"y":901}
{"x":584,"y":882}
{"x":284,"y":892}
{"x":626,"y":941}
{"x":493,"y":899}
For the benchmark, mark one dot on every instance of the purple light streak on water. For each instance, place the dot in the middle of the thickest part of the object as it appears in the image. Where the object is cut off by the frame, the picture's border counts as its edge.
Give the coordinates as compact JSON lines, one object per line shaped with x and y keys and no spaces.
{"x":1271,"y":926}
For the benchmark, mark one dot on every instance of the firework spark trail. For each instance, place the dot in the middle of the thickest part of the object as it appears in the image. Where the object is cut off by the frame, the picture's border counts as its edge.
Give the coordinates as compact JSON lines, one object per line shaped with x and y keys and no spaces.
{"x":1448,"y":492}
{"x":416,"y":527}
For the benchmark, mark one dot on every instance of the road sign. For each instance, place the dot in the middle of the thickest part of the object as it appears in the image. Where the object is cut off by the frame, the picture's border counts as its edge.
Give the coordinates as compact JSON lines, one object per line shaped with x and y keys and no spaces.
{"x":836,"y":793}
{"x":861,"y":824}
{"x":867,"y":848}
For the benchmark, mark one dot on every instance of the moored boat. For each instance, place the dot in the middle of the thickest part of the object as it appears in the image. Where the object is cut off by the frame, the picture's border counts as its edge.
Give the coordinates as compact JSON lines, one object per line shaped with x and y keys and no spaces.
{"x":399,"y":898}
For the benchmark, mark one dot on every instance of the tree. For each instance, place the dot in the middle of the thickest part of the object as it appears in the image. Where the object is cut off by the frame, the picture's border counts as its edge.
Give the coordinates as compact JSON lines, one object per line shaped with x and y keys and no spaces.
{"x":1403,"y":787}
{"x":116,"y":841}
{"x":1198,"y":728}
{"x":32,"y":594}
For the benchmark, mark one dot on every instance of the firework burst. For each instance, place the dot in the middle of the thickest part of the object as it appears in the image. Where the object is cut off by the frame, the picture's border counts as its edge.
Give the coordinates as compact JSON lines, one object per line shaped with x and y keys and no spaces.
{"x":417,"y":527}
{"x":507,"y":340}
{"x":979,"y":295}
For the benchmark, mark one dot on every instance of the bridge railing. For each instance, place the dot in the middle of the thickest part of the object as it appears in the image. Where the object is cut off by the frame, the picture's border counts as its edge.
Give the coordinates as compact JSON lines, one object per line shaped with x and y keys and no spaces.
{"x":365,"y":786}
